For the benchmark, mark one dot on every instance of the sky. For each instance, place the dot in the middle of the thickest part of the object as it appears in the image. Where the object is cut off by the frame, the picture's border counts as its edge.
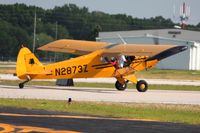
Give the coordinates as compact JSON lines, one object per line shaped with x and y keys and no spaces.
{"x":135,"y":8}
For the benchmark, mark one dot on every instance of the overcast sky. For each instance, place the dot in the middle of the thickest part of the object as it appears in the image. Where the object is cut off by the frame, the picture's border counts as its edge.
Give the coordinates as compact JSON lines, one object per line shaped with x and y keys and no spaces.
{"x":135,"y":8}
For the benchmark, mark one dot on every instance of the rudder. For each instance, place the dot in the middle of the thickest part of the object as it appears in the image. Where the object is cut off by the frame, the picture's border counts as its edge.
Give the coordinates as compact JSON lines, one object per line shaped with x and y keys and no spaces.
{"x":26,"y":62}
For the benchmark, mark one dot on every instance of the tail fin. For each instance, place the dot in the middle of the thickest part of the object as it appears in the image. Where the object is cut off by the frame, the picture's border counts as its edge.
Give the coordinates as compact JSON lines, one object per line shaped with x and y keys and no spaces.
{"x":27,"y":63}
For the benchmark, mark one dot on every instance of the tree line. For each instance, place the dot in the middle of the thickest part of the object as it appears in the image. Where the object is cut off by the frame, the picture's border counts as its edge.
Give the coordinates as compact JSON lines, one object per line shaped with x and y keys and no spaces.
{"x":68,"y":21}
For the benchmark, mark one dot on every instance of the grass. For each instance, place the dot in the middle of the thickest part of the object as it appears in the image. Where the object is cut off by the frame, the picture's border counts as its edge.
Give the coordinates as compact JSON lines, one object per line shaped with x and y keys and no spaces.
{"x":7,"y":70}
{"x":175,"y":87}
{"x":189,"y":114}
{"x":169,"y":74}
{"x":105,"y":85}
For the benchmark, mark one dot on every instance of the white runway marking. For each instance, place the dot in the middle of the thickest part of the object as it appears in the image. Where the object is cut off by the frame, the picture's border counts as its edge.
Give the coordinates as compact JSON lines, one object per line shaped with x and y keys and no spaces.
{"x":100,"y":94}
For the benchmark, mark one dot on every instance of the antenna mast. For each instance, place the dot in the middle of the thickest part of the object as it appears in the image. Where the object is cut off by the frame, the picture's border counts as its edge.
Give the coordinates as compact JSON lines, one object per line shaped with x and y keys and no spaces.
{"x":34,"y":32}
{"x":184,"y":14}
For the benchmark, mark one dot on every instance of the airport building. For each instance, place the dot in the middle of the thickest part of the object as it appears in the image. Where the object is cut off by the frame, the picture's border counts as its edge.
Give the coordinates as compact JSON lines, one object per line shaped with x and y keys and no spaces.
{"x":187,"y":60}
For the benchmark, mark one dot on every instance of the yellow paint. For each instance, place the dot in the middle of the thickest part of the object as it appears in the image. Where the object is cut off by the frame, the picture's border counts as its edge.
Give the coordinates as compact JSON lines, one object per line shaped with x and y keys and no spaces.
{"x":142,"y":64}
{"x":7,"y":128}
{"x":131,"y":78}
{"x":142,"y":86}
{"x":128,"y":72}
{"x":71,"y":116}
{"x":86,"y":66}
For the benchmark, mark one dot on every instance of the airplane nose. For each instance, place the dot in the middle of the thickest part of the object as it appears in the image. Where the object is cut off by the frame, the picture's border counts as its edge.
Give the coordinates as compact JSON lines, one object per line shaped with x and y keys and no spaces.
{"x":168,"y":52}
{"x":183,"y":48}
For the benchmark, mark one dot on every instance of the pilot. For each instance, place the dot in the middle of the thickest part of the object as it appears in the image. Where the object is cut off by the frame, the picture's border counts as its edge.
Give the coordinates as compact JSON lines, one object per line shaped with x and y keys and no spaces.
{"x":114,"y":62}
{"x":129,"y":60}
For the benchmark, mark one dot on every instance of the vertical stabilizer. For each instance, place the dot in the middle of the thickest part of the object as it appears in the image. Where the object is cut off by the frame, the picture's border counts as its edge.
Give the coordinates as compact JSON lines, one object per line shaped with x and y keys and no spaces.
{"x":26,"y":62}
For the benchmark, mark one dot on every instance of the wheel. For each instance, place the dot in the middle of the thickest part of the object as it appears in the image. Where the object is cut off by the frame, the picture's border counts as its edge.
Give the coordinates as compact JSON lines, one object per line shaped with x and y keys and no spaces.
{"x":21,"y":85}
{"x":119,"y":86}
{"x":142,"y":86}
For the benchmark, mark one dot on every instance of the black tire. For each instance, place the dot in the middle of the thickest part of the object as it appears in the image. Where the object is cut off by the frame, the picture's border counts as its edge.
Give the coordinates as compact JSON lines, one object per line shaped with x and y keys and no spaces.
{"x":21,"y":85}
{"x":142,"y":86}
{"x":119,"y":86}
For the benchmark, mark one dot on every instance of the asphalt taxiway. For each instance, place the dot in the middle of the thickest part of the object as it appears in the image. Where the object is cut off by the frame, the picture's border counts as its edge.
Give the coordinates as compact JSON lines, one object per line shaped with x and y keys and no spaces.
{"x":29,"y":121}
{"x":100,"y":94}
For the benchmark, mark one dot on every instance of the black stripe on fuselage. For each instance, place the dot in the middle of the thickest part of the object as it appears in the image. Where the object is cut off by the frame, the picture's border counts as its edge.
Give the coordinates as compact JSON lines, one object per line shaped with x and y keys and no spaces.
{"x":97,"y":65}
{"x":49,"y":74}
{"x":103,"y":67}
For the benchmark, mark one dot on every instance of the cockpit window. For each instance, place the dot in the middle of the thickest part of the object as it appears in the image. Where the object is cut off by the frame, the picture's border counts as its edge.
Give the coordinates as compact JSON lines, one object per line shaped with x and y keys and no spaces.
{"x":31,"y":61}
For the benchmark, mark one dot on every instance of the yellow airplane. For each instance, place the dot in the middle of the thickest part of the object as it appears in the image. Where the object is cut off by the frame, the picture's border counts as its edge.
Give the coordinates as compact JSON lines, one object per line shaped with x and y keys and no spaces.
{"x":96,"y":59}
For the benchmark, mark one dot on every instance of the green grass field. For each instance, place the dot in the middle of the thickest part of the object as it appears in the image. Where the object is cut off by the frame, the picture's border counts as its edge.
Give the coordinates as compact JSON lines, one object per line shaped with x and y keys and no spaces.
{"x":7,"y":70}
{"x":189,"y":114}
{"x":169,"y":74}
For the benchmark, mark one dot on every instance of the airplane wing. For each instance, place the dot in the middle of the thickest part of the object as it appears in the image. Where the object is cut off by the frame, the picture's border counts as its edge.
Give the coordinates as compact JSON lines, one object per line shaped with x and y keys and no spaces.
{"x":84,"y":47}
{"x":137,"y":49}
{"x":76,"y":47}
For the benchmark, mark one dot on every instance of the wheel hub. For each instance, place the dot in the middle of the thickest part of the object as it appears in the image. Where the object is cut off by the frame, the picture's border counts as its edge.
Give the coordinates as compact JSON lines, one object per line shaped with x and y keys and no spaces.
{"x":142,"y":86}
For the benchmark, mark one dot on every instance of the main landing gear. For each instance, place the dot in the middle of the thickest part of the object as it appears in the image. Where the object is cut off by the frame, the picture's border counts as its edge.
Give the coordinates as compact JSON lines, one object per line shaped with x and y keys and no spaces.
{"x":120,"y":86}
{"x":141,"y":86}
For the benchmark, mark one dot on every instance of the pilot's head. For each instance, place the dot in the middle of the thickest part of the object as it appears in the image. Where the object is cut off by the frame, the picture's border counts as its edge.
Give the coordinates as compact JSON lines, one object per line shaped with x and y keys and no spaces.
{"x":113,"y":59}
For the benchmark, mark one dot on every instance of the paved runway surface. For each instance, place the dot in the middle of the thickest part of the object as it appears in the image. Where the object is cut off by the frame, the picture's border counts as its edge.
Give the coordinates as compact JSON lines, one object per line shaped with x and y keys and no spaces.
{"x":113,"y":80}
{"x":100,"y":94}
{"x":28,"y":121}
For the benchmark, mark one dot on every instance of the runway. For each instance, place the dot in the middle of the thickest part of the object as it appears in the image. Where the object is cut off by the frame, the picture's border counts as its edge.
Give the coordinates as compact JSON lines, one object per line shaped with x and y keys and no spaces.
{"x":100,"y":94}
{"x":113,"y":80}
{"x":29,"y":121}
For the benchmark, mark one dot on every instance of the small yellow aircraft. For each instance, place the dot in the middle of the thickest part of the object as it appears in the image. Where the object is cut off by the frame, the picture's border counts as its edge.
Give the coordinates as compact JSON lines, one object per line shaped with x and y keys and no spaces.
{"x":99,"y":59}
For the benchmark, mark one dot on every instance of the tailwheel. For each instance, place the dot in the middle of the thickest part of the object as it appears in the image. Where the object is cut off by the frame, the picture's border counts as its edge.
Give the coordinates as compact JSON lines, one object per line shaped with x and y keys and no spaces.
{"x":120,"y":86}
{"x":142,"y":86}
{"x":21,"y":85}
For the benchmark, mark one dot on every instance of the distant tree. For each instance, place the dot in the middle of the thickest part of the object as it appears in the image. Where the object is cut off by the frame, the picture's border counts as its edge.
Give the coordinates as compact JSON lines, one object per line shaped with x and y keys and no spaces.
{"x":198,"y":25}
{"x":94,"y":32}
{"x":17,"y":24}
{"x":42,"y":39}
{"x":11,"y":39}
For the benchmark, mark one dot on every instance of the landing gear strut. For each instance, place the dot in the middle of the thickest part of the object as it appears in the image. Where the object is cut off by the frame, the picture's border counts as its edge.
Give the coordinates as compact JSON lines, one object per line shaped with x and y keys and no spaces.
{"x":21,"y":85}
{"x":120,"y":86}
{"x":142,"y":86}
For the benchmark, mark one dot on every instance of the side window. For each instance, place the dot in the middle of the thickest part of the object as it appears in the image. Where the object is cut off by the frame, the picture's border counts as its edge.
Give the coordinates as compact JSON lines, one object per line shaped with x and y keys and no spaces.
{"x":31,"y":61}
